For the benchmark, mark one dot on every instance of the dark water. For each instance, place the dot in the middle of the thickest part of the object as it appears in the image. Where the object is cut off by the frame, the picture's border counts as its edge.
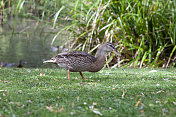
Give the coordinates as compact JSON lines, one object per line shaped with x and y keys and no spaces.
{"x":27,"y":40}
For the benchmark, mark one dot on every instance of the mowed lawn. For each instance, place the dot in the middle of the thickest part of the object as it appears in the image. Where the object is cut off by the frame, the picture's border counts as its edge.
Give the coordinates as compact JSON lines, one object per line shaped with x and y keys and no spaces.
{"x":109,"y":93}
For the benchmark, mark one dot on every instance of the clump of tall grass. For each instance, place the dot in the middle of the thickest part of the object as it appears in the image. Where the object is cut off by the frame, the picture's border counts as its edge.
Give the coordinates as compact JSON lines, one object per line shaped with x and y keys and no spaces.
{"x":144,"y":31}
{"x":40,"y":10}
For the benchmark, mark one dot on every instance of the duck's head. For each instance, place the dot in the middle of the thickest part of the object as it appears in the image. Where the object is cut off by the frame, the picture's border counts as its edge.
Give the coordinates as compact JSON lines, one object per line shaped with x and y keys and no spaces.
{"x":108,"y":47}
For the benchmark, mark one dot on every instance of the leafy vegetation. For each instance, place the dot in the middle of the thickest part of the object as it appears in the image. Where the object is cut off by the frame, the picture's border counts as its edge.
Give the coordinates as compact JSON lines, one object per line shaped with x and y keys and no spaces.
{"x":118,"y":92}
{"x":144,"y":31}
{"x":42,"y":10}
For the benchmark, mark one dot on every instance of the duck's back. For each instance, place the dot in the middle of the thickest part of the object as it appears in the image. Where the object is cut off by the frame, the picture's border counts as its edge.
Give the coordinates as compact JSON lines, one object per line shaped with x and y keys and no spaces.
{"x":75,"y":61}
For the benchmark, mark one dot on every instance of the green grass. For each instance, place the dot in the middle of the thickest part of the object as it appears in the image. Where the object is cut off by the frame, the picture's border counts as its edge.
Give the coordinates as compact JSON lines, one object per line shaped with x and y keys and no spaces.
{"x":128,"y":92}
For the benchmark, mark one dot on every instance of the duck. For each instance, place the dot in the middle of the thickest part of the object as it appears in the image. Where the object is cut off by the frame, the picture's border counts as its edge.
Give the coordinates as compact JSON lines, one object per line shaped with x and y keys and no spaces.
{"x":79,"y":61}
{"x":5,"y":64}
{"x":20,"y":64}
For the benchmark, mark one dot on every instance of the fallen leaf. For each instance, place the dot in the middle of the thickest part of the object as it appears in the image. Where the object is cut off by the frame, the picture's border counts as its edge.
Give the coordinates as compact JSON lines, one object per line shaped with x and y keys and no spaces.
{"x":4,"y":94}
{"x":94,"y":103}
{"x":3,"y":90}
{"x":29,"y":71}
{"x":61,"y":109}
{"x":142,"y":111}
{"x":78,"y":99}
{"x":151,"y":105}
{"x":28,"y":101}
{"x":157,"y":85}
{"x":20,"y":91}
{"x":91,"y":107}
{"x":160,"y":91}
{"x":42,"y":74}
{"x":152,"y":71}
{"x":138,"y":102}
{"x":50,"y":108}
{"x":7,"y":82}
{"x":166,"y":79}
{"x":123,"y":94}
{"x":71,"y":113}
{"x":96,"y":111}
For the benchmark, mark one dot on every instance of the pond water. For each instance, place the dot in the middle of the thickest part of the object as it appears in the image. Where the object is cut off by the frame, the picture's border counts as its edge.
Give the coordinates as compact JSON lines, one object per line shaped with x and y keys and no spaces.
{"x":29,"y":41}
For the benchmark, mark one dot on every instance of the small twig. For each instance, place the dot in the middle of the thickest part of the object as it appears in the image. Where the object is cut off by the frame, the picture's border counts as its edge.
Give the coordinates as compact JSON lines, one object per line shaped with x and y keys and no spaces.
{"x":61,"y":109}
{"x":123,"y":95}
{"x":138,"y":102}
{"x":24,"y":29}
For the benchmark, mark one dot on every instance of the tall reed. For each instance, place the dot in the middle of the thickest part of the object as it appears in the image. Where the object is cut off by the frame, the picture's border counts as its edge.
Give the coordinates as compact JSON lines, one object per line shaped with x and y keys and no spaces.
{"x":144,"y":31}
{"x":41,"y":10}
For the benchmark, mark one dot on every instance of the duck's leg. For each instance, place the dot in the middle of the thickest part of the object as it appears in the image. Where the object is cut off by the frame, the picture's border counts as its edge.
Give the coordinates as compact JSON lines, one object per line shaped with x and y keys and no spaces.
{"x":68,"y":74}
{"x":81,"y":75}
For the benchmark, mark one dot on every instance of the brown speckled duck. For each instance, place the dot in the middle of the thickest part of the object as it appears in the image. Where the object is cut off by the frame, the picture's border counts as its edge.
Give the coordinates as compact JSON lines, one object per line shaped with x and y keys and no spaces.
{"x":78,"y":61}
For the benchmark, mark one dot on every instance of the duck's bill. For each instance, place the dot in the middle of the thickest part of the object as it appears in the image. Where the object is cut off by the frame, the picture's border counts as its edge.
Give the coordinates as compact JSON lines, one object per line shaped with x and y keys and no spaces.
{"x":116,"y":52}
{"x":49,"y":61}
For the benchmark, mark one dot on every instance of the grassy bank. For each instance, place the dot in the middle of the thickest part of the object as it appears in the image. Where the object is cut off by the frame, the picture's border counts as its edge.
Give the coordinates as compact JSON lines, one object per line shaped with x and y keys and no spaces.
{"x":128,"y":92}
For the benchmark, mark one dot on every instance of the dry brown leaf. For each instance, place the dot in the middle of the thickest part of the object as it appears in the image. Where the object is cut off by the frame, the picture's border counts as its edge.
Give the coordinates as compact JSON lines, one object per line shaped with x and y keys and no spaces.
{"x":41,"y":74}
{"x":3,"y":90}
{"x":123,"y":95}
{"x":50,"y":108}
{"x":78,"y":99}
{"x":49,"y":73}
{"x":159,"y":91}
{"x":96,"y":111}
{"x":138,"y":102}
{"x":61,"y":109}
{"x":94,"y":103}
{"x":142,"y":111}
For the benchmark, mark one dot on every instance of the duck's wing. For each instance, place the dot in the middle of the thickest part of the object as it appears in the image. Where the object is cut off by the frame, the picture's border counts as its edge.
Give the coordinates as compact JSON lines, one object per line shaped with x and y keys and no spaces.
{"x":77,"y":55}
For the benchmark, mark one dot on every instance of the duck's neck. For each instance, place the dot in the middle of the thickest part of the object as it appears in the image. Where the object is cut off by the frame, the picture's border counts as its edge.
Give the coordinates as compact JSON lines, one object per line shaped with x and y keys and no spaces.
{"x":100,"y":53}
{"x":100,"y":61}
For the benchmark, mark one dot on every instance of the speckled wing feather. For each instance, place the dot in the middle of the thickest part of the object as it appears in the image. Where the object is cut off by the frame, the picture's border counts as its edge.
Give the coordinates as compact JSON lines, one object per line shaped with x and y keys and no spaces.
{"x":76,"y":55}
{"x":75,"y":60}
